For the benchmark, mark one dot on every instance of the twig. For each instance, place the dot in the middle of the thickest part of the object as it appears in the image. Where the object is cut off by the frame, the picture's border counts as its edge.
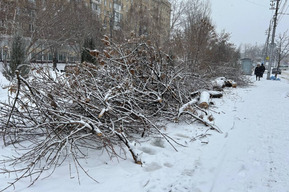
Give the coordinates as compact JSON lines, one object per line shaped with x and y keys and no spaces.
{"x":13,"y":106}
{"x":203,"y":121}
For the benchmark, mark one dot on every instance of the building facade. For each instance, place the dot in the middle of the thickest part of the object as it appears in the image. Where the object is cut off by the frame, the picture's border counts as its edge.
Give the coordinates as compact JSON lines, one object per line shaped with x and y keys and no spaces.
{"x":114,"y":12}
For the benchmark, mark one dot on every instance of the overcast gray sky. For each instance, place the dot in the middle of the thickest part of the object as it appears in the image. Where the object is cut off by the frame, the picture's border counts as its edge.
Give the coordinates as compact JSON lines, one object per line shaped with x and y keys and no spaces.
{"x":247,"y":20}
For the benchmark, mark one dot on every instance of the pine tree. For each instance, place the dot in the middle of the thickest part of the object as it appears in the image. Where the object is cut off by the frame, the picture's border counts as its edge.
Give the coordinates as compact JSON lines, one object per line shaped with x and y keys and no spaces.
{"x":17,"y":60}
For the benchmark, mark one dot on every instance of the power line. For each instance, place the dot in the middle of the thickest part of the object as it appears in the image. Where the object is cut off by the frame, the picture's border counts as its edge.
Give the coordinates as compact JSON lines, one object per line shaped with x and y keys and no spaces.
{"x":282,"y":10}
{"x":261,"y":5}
{"x":284,"y":7}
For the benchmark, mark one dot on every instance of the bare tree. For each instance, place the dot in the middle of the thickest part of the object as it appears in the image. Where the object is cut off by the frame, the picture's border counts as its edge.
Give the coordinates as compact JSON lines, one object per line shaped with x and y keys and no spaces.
{"x":197,"y":31}
{"x":178,"y":10}
{"x":205,"y":52}
{"x":137,"y":20}
{"x":253,"y":52}
{"x":147,"y":20}
{"x":282,"y":49}
{"x":49,"y":25}
{"x":7,"y":16}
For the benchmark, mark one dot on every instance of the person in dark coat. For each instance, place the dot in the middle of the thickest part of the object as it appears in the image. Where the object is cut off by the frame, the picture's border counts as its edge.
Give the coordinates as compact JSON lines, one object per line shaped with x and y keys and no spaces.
{"x":258,"y":72}
{"x":262,"y":67}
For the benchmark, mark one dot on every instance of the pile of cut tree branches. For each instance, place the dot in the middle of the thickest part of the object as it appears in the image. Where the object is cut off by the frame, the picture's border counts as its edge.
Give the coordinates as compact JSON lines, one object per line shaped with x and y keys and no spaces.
{"x":113,"y":103}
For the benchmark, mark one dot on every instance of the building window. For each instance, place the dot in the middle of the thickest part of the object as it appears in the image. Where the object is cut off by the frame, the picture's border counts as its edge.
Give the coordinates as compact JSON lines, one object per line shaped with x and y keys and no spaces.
{"x":32,"y":13}
{"x":94,"y":6}
{"x":2,"y":23}
{"x":18,"y":11}
{"x":31,"y":27}
{"x":117,"y":17}
{"x":117,"y":7}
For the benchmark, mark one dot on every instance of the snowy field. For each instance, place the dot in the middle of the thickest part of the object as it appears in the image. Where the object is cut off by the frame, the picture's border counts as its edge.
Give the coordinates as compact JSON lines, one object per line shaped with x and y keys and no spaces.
{"x":251,"y":155}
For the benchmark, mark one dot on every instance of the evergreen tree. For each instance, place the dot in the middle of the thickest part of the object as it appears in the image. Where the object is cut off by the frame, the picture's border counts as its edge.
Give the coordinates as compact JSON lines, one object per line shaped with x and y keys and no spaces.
{"x":89,"y":44}
{"x":17,"y":60}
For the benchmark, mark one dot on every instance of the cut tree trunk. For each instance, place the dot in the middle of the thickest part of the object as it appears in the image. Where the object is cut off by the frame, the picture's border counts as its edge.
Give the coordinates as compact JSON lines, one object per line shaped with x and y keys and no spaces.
{"x":204,"y":99}
{"x":216,"y":94}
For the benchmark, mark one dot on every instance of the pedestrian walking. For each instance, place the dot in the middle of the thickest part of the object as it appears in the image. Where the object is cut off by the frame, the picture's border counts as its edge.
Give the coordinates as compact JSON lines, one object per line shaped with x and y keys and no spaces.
{"x":258,"y":72}
{"x":262,"y":67}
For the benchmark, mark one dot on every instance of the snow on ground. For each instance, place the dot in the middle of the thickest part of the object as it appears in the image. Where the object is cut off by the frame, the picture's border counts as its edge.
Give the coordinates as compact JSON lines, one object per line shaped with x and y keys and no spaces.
{"x":250,"y":156}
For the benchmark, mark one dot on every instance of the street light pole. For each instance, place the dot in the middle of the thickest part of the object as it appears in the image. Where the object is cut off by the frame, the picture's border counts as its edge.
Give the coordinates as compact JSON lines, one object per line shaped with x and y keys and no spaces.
{"x":272,"y":46}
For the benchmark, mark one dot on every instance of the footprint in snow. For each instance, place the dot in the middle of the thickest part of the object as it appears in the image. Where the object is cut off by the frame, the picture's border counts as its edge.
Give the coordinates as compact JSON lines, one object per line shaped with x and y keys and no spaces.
{"x":152,"y":167}
{"x":158,"y":142}
{"x":148,"y":150}
{"x":251,"y":151}
{"x":242,"y":172}
{"x":188,"y":172}
{"x":182,"y":135}
{"x":168,"y":165}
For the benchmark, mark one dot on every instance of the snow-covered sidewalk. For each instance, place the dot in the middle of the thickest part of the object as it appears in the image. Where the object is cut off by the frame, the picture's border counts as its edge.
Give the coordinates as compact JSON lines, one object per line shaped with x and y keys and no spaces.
{"x":251,"y":155}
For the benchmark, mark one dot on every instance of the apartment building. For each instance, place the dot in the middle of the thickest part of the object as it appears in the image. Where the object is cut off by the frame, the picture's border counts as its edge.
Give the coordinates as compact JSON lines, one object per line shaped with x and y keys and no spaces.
{"x":114,"y":12}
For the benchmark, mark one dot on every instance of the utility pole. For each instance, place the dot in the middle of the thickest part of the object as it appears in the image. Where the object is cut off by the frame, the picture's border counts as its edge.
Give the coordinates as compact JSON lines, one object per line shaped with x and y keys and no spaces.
{"x":272,"y":46}
{"x":265,"y":53}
